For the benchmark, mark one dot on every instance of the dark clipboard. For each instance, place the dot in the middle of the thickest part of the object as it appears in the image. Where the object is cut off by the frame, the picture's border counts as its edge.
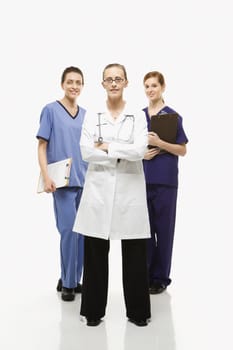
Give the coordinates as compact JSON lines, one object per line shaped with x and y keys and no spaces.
{"x":165,"y":125}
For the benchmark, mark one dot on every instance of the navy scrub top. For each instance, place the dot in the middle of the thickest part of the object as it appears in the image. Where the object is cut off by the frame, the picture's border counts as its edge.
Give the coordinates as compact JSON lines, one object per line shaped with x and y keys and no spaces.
{"x":163,"y":169}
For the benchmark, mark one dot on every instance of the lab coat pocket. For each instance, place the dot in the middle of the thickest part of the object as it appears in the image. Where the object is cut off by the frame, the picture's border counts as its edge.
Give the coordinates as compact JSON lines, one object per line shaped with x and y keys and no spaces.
{"x":93,"y":192}
{"x":125,"y":132}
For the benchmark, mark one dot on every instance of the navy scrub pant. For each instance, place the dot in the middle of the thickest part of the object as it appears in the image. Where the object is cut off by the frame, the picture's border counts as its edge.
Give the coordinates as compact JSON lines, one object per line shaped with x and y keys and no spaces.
{"x":134,"y":274}
{"x":161,"y":201}
{"x":66,"y":202}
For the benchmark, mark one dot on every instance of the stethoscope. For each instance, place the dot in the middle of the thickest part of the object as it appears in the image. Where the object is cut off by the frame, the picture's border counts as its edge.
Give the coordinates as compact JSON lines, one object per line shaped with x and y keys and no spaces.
{"x":100,"y":138}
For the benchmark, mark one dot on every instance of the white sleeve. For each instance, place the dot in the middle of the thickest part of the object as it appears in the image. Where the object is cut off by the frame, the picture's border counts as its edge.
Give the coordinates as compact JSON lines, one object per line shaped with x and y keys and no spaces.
{"x":136,"y":150}
{"x":89,"y":152}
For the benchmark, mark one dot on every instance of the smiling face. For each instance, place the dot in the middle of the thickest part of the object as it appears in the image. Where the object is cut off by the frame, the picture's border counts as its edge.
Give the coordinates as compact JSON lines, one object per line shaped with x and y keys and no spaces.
{"x":72,"y":85}
{"x":153,"y":89}
{"x":114,"y":82}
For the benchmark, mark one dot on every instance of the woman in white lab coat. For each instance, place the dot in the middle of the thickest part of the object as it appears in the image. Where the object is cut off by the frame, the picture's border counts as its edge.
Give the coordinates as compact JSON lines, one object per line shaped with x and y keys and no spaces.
{"x":113,"y":204}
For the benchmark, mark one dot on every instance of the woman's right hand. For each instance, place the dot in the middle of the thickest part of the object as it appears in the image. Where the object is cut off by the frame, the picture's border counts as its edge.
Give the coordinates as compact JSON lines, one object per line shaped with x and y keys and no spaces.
{"x":49,"y":186}
{"x":151,"y":153}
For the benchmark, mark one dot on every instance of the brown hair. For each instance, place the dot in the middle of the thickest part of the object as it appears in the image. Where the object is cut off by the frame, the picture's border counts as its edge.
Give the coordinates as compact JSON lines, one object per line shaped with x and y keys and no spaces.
{"x":155,"y":74}
{"x":118,"y":66}
{"x":69,"y":70}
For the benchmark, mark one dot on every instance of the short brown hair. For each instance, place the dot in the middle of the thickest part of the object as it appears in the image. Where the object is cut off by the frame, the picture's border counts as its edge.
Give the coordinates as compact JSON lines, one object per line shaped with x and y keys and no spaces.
{"x":69,"y":70}
{"x":116,"y":65}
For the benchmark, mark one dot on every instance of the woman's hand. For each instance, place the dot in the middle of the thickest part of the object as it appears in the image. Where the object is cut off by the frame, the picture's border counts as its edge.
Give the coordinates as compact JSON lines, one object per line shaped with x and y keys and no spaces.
{"x":153,"y":139}
{"x":102,"y":146}
{"x":173,"y":148}
{"x":49,"y":186}
{"x":151,"y":153}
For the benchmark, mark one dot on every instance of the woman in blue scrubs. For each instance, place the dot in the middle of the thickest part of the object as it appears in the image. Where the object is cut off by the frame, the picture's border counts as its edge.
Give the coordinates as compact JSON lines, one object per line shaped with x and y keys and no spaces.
{"x":59,"y":135}
{"x":161,"y":173}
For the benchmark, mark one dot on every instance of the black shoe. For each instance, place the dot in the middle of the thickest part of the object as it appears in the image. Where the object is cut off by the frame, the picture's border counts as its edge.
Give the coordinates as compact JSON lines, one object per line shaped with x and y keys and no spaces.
{"x":139,"y":323}
{"x":77,"y":289}
{"x":93,"y":323}
{"x":157,"y":288}
{"x":59,"y":285}
{"x":67,"y":294}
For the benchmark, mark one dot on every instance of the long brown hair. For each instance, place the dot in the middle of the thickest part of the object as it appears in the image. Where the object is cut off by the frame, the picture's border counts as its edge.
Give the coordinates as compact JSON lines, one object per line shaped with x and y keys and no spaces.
{"x":155,"y":74}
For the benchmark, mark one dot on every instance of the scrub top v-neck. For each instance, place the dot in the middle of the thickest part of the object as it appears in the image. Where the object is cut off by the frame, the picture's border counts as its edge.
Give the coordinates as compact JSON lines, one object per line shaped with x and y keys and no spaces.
{"x":69,"y":114}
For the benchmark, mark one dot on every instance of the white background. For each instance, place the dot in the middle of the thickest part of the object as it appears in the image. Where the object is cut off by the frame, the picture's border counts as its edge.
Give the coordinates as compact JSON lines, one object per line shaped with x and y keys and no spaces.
{"x":190,"y":42}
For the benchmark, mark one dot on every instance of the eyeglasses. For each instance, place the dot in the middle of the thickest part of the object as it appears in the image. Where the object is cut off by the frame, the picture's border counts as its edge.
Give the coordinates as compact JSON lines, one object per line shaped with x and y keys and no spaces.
{"x":117,"y":80}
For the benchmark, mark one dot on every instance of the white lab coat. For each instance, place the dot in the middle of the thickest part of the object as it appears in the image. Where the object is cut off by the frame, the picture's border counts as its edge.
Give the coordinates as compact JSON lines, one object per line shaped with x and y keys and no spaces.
{"x":113,"y":203}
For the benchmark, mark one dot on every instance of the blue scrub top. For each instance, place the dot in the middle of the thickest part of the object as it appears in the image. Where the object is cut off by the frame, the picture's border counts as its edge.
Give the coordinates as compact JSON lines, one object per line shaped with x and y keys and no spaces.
{"x":62,"y":131}
{"x":163,"y":169}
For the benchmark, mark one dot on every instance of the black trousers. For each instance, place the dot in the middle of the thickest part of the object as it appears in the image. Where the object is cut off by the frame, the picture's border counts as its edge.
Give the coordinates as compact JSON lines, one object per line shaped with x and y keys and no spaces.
{"x":134,"y":273}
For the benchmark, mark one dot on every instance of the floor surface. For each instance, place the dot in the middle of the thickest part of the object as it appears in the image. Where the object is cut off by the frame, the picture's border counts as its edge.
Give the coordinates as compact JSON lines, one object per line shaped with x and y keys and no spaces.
{"x":188,"y":316}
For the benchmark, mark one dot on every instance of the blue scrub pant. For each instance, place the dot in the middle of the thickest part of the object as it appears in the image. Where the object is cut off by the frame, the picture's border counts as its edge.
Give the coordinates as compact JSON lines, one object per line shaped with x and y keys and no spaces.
{"x":161,"y":202}
{"x":66,"y":202}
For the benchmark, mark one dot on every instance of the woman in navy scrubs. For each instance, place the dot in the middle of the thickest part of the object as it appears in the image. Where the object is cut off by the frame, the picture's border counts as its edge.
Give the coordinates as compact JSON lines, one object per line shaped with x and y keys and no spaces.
{"x":161,"y":172}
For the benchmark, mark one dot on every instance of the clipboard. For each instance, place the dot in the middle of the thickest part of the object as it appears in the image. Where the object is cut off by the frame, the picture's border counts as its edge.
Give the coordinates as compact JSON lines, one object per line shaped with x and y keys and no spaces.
{"x":59,"y":172}
{"x":165,"y":125}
